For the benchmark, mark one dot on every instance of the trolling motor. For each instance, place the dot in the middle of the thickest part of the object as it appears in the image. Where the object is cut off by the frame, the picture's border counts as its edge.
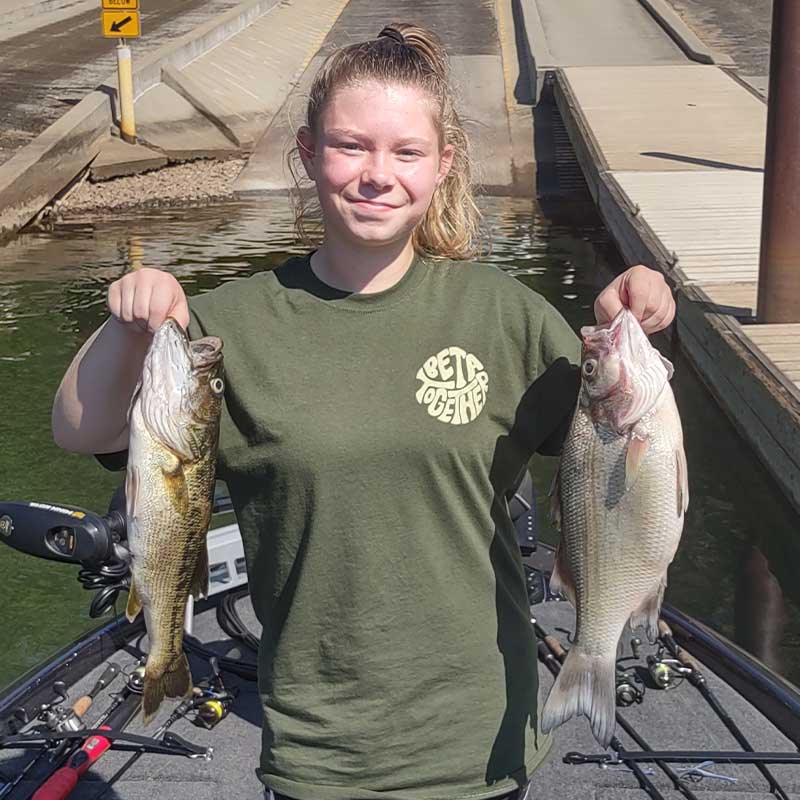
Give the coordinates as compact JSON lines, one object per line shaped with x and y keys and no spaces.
{"x":73,"y":535}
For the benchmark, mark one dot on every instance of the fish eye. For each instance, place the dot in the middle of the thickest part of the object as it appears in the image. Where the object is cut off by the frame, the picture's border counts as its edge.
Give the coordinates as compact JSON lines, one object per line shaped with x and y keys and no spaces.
{"x":217,"y":385}
{"x":589,"y":367}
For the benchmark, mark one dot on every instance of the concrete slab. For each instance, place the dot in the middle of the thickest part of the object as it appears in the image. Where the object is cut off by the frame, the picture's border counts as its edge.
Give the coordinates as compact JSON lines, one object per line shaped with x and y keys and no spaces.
{"x":168,"y":123}
{"x":266,"y":171}
{"x":120,"y":158}
{"x":711,"y":220}
{"x":243,"y":82}
{"x":668,"y":118}
{"x":480,"y":87}
{"x":581,"y":33}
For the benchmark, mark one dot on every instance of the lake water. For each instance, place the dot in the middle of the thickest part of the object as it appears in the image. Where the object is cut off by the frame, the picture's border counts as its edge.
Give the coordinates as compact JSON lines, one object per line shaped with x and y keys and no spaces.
{"x":734,"y":569}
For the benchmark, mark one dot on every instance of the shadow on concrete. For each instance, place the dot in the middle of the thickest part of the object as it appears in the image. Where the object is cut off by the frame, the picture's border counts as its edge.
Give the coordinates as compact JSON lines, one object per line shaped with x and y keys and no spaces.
{"x":703,"y":162}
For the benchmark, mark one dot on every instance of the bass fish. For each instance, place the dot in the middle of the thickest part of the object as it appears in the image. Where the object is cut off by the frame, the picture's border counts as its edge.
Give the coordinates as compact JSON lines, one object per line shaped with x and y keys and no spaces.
{"x":169,"y":491}
{"x":619,"y":498}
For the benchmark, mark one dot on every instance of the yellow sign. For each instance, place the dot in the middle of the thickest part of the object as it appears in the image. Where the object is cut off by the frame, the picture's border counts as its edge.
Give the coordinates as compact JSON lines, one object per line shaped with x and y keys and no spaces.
{"x":121,"y":24}
{"x":121,"y":5}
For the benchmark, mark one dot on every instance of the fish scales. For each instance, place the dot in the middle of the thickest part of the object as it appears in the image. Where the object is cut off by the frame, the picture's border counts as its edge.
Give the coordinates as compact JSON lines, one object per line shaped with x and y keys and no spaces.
{"x":174,"y":430}
{"x":621,"y":498}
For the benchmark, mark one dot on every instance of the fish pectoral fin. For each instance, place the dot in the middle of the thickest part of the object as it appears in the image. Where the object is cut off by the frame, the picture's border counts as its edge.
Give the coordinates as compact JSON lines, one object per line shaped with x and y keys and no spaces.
{"x":175,"y":483}
{"x":134,"y":603}
{"x":682,"y":476}
{"x":561,"y":579}
{"x":647,"y":613}
{"x":555,"y":500}
{"x":637,"y":450}
{"x":199,"y":584}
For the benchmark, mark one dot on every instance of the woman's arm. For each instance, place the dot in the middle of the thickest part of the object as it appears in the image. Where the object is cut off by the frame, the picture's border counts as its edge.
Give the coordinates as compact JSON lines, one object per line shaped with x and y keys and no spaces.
{"x":91,"y":404}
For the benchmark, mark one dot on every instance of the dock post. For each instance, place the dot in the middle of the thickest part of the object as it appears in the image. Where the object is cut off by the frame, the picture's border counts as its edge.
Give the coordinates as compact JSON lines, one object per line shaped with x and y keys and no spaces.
{"x":127,"y":125}
{"x":779,"y":267}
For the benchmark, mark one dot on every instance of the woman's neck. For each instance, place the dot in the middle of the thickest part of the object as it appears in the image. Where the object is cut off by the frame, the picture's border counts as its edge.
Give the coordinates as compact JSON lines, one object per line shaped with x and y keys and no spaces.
{"x":366,"y":270}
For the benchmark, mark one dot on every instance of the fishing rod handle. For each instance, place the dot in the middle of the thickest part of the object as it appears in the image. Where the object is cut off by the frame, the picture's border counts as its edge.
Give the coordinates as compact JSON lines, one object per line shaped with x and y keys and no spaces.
{"x":83,"y":704}
{"x":59,"y":785}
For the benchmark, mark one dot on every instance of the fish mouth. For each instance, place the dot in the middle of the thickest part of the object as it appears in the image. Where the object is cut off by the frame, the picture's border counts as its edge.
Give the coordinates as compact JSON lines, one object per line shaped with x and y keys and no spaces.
{"x":606,"y":337}
{"x":205,"y":352}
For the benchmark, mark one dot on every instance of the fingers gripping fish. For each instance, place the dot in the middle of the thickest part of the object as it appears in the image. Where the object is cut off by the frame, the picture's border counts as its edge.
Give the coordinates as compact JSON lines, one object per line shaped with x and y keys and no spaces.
{"x":169,"y":487}
{"x":620,"y":497}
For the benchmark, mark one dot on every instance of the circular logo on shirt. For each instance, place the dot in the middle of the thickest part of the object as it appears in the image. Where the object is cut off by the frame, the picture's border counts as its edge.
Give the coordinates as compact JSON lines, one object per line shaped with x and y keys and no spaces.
{"x":454,"y":386}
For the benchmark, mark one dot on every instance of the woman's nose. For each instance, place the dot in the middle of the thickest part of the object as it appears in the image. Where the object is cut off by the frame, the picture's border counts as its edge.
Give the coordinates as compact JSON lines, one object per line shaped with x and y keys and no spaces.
{"x":377,"y":171}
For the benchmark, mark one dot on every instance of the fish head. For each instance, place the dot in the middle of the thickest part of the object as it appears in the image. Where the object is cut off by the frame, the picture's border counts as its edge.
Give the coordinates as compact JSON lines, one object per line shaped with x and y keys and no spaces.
{"x":182,"y":388}
{"x":622,"y":374}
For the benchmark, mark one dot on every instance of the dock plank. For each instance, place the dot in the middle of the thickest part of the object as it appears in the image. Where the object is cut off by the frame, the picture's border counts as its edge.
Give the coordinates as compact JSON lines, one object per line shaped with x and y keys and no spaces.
{"x":711,"y":220}
{"x":670,"y":118}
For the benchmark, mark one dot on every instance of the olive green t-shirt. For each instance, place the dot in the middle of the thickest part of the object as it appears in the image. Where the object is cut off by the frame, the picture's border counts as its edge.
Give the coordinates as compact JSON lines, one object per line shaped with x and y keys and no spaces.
{"x":368,"y":442}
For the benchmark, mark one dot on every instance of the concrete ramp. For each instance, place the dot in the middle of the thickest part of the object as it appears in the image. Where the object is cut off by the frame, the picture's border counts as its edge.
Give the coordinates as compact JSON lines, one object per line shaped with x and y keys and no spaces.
{"x":469,"y":30}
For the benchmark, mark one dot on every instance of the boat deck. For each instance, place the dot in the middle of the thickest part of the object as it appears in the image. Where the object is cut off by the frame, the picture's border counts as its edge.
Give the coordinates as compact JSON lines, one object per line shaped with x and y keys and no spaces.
{"x":679,"y":718}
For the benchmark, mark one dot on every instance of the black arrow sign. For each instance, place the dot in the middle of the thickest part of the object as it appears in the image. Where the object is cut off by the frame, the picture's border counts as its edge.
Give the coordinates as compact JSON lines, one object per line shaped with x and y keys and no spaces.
{"x":117,"y":26}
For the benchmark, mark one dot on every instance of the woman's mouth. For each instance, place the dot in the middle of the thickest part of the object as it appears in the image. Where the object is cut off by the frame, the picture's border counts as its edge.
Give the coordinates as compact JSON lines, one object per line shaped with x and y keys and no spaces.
{"x":373,"y":204}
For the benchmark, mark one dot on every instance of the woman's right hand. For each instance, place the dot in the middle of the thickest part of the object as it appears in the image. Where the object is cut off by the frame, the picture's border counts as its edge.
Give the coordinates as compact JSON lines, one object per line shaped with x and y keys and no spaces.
{"x":143,"y":299}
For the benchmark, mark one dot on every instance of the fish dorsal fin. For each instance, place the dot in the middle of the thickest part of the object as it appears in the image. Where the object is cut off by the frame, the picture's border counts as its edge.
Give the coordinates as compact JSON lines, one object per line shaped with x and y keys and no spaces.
{"x":134,"y":603}
{"x":634,"y":456}
{"x":199,"y":585}
{"x":682,"y":477}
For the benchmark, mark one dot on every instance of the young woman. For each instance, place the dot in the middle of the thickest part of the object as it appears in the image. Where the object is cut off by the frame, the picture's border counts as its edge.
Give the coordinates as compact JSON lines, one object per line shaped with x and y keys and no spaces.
{"x":383,"y":396}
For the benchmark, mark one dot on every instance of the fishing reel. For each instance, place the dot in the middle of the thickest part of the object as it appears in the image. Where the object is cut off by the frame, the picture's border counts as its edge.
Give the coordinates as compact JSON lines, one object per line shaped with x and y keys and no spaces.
{"x":666,"y":672}
{"x":212,"y":700}
{"x":630,"y":687}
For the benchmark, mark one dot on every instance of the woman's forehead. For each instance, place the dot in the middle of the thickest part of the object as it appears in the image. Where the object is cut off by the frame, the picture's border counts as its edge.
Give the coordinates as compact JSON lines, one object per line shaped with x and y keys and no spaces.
{"x":372,"y":107}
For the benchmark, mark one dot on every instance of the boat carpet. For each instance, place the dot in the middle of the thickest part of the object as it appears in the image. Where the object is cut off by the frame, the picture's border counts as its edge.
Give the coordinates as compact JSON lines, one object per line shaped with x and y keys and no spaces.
{"x":679,"y":718}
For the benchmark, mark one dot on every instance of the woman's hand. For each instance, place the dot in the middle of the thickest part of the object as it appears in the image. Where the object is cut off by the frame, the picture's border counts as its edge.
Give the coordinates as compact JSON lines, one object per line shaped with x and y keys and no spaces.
{"x":645,"y":292}
{"x":143,"y":299}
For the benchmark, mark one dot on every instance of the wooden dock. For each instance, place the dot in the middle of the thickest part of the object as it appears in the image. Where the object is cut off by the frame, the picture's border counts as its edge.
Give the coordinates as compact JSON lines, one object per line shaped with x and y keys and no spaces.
{"x":673,"y":156}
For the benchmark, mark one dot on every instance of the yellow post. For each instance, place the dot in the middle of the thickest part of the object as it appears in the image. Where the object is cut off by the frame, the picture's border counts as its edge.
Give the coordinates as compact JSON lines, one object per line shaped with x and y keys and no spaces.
{"x":127,"y":125}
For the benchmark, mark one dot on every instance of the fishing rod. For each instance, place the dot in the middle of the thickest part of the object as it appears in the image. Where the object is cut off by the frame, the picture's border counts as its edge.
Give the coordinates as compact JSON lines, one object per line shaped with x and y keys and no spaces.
{"x":552,"y":654}
{"x":682,"y":757}
{"x":698,"y":680}
{"x":212,"y":703}
{"x":557,"y":654}
{"x":119,"y":712}
{"x":58,"y":719}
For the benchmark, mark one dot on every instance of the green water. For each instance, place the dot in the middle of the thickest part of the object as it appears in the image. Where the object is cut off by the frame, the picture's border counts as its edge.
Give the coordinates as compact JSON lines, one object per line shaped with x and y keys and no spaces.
{"x":734,"y":566}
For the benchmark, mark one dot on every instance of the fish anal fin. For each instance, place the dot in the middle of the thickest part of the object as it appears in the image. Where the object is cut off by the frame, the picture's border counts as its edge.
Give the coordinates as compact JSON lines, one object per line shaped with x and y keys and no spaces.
{"x":682,"y":477}
{"x":134,"y":603}
{"x":637,"y":450}
{"x":647,"y":613}
{"x":199,"y":584}
{"x":561,"y":579}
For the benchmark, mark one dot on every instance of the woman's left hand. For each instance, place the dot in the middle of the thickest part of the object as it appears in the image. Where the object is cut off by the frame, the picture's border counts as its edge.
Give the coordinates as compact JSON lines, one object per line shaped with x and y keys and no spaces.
{"x":645,"y":292}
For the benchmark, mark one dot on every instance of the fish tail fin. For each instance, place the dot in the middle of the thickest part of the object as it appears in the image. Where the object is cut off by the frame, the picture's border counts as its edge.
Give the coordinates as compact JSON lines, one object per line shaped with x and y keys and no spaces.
{"x":173,"y":681}
{"x":585,"y":685}
{"x":647,"y":613}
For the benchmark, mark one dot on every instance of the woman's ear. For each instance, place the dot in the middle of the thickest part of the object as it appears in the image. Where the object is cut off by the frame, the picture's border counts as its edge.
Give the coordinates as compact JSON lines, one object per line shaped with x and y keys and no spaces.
{"x":305,"y":146}
{"x":445,"y":162}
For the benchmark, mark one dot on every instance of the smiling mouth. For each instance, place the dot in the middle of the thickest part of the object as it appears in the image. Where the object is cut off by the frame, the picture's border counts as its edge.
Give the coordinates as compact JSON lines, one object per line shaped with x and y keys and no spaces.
{"x":372,"y":204}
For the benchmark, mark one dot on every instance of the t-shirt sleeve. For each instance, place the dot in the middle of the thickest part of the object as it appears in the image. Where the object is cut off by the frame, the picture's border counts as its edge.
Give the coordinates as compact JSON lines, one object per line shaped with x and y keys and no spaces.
{"x":559,"y":374}
{"x":116,"y":462}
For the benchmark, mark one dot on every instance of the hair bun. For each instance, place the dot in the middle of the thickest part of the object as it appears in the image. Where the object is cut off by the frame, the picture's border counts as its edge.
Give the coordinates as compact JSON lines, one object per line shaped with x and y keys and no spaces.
{"x":392,"y":33}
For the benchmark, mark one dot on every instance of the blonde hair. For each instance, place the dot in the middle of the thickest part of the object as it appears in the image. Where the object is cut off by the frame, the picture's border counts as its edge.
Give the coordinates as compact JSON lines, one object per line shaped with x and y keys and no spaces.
{"x":409,"y":55}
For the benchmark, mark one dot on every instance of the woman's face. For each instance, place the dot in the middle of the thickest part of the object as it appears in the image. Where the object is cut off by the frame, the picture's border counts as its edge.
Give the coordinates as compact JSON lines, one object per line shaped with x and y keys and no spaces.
{"x":375,"y":160}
